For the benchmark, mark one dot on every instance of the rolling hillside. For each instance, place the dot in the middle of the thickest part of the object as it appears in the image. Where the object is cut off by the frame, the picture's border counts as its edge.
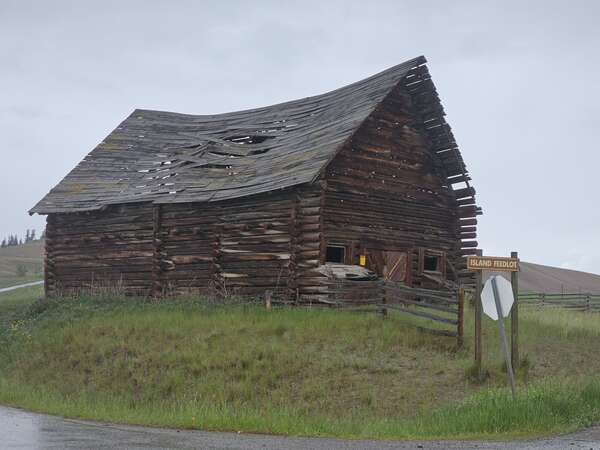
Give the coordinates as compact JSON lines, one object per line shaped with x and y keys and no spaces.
{"x":554,"y":280}
{"x":21,"y":263}
{"x":539,"y":278}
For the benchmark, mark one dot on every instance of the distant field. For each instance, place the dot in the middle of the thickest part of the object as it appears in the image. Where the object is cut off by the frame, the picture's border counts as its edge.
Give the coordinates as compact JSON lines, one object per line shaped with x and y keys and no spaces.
{"x":190,"y":363}
{"x":21,"y":263}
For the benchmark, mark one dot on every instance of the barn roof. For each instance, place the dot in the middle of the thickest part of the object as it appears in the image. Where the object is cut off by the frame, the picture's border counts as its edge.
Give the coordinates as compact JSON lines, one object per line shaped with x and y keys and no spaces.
{"x":166,"y":157}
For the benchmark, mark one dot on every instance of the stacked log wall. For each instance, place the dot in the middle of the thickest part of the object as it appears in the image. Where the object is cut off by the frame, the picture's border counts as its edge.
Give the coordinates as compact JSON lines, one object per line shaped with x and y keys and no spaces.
{"x":187,"y":233}
{"x":308,"y":286}
{"x":254,"y":244}
{"x":386,"y":190}
{"x":235,"y":247}
{"x":106,"y":249}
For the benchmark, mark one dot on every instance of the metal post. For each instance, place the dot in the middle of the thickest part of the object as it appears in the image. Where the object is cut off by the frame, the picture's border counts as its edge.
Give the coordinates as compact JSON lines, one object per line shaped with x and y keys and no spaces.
{"x":509,"y":368}
{"x":514,"y":317}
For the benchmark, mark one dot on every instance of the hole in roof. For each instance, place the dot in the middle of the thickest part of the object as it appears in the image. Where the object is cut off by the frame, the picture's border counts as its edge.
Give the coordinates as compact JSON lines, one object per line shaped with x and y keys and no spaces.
{"x":259,"y":152}
{"x":248,"y":139}
{"x":213,"y":166}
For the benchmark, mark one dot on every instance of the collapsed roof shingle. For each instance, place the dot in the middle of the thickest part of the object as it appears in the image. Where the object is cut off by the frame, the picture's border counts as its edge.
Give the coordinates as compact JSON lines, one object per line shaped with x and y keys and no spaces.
{"x":167,"y":157}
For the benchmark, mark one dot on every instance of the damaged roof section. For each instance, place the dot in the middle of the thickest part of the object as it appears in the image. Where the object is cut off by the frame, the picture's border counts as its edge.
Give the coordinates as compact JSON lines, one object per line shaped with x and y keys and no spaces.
{"x":165,"y":157}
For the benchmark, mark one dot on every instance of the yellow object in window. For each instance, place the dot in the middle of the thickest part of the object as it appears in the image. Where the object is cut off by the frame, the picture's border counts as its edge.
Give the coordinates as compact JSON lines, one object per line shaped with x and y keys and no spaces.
{"x":362,"y":260}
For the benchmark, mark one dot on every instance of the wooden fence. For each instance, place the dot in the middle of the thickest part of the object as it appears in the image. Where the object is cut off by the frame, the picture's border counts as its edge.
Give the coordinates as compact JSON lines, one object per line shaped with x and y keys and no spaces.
{"x":437,"y":311}
{"x":444,"y":308}
{"x":576,"y":301}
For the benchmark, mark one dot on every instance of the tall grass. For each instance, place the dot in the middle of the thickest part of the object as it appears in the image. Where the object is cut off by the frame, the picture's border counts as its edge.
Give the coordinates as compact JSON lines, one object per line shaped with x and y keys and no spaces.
{"x":541,"y":408}
{"x":190,"y":363}
{"x":562,"y":322}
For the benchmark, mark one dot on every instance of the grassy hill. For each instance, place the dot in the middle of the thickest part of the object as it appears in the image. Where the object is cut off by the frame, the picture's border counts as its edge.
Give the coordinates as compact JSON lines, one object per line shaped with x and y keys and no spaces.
{"x":21,"y":263}
{"x":191,"y":363}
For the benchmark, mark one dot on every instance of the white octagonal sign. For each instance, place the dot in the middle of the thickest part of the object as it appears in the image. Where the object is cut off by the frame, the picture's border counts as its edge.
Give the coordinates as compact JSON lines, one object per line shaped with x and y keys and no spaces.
{"x":506,"y":297}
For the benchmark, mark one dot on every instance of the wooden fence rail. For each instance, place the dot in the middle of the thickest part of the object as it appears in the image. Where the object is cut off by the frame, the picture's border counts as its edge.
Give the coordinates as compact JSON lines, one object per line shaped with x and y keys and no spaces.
{"x":444,"y":308}
{"x":574,"y":300}
{"x":441,"y":311}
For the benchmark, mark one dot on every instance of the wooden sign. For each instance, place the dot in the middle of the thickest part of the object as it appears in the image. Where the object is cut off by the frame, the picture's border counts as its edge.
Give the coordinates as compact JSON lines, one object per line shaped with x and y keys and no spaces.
{"x":495,"y":263}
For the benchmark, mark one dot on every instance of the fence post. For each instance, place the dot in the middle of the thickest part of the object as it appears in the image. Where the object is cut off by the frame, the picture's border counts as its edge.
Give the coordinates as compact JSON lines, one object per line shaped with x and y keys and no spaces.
{"x":514,"y":317}
{"x":587,"y":299}
{"x":384,"y":310}
{"x":461,"y":315}
{"x":268,"y":299}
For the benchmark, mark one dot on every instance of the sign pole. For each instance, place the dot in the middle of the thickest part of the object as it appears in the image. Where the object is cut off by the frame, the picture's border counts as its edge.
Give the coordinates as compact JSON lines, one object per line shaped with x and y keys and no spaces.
{"x":478,"y":320}
{"x":509,"y":368}
{"x":514,"y":317}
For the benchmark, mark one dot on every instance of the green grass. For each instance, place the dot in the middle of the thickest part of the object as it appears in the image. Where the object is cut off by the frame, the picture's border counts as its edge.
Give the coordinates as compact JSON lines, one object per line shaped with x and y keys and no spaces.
{"x":17,"y":259}
{"x":15,"y":304}
{"x":187,"y":363}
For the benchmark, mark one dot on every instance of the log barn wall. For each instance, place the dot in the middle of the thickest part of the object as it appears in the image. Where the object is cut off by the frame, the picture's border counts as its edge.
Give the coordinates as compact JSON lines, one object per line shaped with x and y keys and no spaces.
{"x":232,"y":247}
{"x":108,"y":248}
{"x":238,"y":247}
{"x":387,"y":191}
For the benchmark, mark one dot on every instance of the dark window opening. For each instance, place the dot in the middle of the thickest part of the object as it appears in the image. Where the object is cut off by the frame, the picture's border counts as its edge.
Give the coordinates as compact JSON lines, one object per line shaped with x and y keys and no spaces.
{"x":432,"y":263}
{"x":335,"y":254}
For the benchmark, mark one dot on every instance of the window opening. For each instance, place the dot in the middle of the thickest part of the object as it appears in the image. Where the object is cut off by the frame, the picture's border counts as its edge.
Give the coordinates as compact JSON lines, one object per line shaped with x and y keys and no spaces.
{"x":335,"y":254}
{"x":432,"y":263}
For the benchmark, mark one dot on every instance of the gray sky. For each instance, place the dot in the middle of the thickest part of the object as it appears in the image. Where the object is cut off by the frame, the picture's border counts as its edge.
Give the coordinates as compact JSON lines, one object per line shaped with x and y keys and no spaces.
{"x":519,"y":81}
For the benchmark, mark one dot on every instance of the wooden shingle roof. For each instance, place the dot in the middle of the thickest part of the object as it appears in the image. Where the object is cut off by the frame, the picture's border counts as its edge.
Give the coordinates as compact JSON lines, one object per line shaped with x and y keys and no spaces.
{"x":166,"y":157}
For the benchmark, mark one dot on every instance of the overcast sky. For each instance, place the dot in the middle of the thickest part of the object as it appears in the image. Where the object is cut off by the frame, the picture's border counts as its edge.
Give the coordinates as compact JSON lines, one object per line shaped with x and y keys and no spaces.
{"x":520,"y":82}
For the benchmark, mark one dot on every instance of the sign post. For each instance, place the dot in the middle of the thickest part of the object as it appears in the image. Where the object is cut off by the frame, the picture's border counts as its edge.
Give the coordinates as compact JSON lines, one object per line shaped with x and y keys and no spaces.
{"x":485,"y":301}
{"x":514,"y":316}
{"x":507,"y":298}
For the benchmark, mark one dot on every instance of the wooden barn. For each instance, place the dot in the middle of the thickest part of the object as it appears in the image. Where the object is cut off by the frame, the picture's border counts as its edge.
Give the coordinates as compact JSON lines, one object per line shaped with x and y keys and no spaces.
{"x":256,"y":200}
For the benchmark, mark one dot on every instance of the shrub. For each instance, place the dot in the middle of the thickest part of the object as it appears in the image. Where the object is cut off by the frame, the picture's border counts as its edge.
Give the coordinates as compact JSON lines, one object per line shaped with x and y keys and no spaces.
{"x":21,"y":270}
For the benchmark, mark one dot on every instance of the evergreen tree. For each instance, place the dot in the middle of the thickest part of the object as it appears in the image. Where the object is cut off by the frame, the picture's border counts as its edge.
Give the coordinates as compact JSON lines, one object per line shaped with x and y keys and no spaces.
{"x":27,"y":237}
{"x":3,"y":243}
{"x":32,"y":235}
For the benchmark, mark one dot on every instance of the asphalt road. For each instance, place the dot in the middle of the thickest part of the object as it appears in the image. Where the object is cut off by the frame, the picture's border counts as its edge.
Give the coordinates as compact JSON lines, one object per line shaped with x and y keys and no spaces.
{"x":19,"y":286}
{"x":24,"y":430}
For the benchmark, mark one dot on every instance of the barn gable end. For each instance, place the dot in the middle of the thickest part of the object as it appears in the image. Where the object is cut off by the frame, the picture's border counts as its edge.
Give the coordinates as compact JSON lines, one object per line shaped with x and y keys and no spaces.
{"x":400,"y":202}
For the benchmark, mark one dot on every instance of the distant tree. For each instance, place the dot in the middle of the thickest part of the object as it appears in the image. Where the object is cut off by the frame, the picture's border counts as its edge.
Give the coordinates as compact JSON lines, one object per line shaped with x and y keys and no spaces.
{"x":27,"y":237}
{"x":32,"y":235}
{"x":3,"y":243}
{"x":20,"y":242}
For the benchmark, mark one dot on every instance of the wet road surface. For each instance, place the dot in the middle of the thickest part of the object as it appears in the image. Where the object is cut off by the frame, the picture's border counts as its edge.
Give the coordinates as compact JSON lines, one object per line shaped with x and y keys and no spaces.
{"x":24,"y":430}
{"x":19,"y":286}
